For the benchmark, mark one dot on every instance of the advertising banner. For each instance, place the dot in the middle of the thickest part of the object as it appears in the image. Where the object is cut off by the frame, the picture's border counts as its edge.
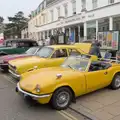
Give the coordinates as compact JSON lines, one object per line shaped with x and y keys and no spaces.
{"x":109,"y":39}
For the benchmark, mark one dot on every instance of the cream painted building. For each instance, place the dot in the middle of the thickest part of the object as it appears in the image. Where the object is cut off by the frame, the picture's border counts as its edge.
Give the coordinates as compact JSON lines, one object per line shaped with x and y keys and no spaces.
{"x":82,"y":18}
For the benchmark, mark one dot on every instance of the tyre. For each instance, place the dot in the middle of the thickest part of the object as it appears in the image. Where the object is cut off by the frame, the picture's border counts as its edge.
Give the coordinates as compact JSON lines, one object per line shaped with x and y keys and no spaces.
{"x":61,"y":98}
{"x":115,"y":82}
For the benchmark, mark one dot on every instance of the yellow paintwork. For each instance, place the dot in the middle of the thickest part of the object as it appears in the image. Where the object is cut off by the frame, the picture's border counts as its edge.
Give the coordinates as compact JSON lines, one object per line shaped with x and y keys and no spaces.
{"x":84,"y":46}
{"x":27,"y":64}
{"x":80,"y":82}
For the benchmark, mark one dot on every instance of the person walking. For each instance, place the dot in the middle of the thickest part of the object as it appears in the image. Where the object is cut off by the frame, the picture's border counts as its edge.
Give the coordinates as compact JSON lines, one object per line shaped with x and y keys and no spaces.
{"x":95,"y":49}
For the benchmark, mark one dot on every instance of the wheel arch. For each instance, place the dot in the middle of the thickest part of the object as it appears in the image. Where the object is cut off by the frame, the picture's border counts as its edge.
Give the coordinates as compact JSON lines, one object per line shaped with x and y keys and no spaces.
{"x":115,"y":73}
{"x":66,"y":86}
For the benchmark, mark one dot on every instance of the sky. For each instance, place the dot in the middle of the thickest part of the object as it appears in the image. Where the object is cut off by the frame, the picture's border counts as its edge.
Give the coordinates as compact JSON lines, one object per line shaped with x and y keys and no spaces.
{"x":10,"y":7}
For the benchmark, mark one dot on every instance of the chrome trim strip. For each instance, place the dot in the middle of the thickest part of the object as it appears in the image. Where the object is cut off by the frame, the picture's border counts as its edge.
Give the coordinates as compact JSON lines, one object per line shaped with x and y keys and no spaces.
{"x":3,"y":64}
{"x":32,"y":95}
{"x":15,"y":75}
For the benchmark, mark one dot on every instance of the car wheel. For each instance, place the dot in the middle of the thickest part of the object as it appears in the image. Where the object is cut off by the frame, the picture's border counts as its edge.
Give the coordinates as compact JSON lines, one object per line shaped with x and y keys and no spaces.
{"x":116,"y":82}
{"x":61,"y":98}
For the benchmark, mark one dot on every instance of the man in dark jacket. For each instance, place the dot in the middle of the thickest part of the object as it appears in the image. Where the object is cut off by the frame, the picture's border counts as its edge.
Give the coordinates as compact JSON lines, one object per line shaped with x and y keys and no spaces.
{"x":95,"y":50}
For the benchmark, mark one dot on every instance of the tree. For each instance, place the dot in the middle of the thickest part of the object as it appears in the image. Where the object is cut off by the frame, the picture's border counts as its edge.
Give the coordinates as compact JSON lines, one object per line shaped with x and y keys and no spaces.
{"x":1,"y":19}
{"x":16,"y":23}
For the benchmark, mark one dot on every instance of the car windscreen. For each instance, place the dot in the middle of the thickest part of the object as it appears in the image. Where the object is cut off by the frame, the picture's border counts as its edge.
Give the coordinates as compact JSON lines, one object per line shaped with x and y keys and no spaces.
{"x":31,"y":51}
{"x":76,"y":63}
{"x":45,"y":52}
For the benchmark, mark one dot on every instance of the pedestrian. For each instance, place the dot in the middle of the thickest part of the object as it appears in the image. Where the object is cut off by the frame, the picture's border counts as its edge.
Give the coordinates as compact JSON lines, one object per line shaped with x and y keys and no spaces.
{"x":48,"y":41}
{"x":108,"y":54}
{"x":95,"y":49}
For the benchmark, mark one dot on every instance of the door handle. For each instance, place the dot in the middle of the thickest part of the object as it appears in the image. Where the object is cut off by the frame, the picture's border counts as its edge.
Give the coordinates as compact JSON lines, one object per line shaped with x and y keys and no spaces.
{"x":105,"y":73}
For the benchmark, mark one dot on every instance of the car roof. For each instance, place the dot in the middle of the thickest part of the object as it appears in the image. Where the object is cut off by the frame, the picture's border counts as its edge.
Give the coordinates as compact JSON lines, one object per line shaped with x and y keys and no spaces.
{"x":61,"y":46}
{"x":25,"y":40}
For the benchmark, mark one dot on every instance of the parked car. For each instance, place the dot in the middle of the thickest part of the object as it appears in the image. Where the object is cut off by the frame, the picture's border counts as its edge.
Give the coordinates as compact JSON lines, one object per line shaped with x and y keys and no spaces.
{"x":6,"y":58}
{"x":17,"y":46}
{"x":75,"y":77}
{"x":49,"y":56}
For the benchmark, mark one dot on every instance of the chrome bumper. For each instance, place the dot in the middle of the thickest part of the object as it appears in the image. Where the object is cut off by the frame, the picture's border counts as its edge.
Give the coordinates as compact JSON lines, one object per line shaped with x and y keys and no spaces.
{"x":3,"y":65}
{"x":30,"y":94}
{"x":14,"y":75}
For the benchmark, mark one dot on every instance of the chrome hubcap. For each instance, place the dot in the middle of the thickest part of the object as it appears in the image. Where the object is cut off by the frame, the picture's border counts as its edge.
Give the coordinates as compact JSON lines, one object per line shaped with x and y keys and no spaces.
{"x":117,"y":81}
{"x":63,"y":99}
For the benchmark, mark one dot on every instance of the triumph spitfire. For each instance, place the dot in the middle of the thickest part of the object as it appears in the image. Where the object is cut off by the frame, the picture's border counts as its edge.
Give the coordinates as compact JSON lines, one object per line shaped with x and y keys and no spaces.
{"x":49,"y":56}
{"x":61,"y":85}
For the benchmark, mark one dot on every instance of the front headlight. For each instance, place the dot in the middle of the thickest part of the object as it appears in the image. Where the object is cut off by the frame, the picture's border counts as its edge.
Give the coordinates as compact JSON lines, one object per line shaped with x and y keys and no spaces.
{"x":37,"y":88}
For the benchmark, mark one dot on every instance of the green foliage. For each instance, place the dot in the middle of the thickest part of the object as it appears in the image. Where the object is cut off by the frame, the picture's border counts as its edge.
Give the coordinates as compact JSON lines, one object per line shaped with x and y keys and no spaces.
{"x":16,"y":23}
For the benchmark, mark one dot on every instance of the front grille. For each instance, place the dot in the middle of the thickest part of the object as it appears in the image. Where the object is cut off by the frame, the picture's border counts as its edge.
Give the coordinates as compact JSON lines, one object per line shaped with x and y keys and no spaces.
{"x":12,"y":68}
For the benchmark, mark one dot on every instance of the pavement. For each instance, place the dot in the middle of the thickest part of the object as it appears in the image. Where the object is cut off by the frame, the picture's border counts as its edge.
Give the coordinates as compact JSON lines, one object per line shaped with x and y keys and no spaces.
{"x":103,"y":104}
{"x":14,"y":107}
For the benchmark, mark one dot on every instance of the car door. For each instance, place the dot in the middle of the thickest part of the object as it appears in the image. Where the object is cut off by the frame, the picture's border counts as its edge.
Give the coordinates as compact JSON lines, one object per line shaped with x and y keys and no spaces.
{"x":22,"y":47}
{"x":57,"y":57}
{"x":96,"y":79}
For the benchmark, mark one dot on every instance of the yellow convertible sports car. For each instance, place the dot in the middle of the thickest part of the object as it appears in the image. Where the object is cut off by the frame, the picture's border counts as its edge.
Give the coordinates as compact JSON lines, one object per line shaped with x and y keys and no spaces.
{"x":49,"y":56}
{"x":59,"y":86}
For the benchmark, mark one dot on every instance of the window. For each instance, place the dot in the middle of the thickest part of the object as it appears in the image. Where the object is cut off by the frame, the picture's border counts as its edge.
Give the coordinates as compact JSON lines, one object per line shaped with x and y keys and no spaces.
{"x":60,"y":53}
{"x":45,"y":52}
{"x":74,"y":6}
{"x":51,"y":15}
{"x":83,"y":4}
{"x":44,"y":18}
{"x":47,"y":17}
{"x":94,"y":2}
{"x":39,"y":20}
{"x":36,"y":21}
{"x":31,"y":51}
{"x":58,"y":10}
{"x":73,"y":52}
{"x":66,"y":10}
{"x":44,"y":4}
{"x":111,"y":1}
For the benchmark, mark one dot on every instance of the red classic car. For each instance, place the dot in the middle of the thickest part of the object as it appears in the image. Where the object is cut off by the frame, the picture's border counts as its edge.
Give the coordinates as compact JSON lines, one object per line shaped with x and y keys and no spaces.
{"x":5,"y":59}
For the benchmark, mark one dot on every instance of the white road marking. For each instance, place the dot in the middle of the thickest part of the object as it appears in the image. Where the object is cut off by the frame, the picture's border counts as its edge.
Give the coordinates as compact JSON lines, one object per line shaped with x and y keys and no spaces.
{"x":67,"y":115}
{"x":9,"y":79}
